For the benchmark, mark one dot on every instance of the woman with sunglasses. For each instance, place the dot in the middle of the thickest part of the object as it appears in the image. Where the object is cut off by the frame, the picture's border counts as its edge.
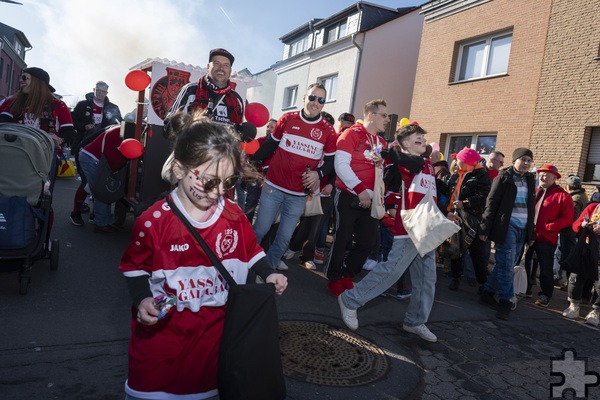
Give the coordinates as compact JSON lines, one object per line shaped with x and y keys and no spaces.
{"x":35,"y":105}
{"x":177,"y":355}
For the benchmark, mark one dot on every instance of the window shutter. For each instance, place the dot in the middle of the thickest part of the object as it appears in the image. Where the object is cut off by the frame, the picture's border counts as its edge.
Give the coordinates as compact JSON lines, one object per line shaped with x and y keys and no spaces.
{"x":594,"y":154}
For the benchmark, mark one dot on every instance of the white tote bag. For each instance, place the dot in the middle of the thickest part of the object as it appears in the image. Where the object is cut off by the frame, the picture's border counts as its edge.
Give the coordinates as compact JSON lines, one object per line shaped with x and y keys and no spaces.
{"x":426,"y":226}
{"x":313,"y":206}
{"x":377,"y":205}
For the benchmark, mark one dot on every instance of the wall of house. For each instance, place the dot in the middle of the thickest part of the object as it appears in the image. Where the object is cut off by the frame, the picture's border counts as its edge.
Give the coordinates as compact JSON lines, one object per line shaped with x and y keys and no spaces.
{"x":389,"y":63}
{"x":309,"y":71}
{"x":505,"y":104}
{"x":569,"y":92}
{"x":263,"y":94}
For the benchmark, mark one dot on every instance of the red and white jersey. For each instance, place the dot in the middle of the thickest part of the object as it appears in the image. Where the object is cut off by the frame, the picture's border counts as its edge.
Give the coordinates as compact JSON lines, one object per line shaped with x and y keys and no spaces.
{"x":415,"y":188}
{"x":301,"y":143}
{"x":49,"y":121}
{"x":353,"y":159}
{"x":98,"y":112}
{"x":178,"y":356}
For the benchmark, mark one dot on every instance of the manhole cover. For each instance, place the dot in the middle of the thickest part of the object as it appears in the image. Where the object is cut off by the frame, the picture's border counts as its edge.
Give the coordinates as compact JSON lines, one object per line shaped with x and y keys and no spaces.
{"x":325,"y":355}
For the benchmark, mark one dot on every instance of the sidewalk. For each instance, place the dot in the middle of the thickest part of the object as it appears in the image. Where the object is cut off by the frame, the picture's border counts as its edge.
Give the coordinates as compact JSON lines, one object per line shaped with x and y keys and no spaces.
{"x":476,"y":356}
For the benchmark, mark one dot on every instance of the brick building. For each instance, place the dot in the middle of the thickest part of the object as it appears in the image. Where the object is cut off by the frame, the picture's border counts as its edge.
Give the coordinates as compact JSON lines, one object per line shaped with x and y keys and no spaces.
{"x":13,"y":45}
{"x":501,"y":74}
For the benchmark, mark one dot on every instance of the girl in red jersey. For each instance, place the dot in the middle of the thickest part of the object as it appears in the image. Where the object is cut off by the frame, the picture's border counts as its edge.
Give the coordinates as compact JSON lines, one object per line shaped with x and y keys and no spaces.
{"x":175,"y":357}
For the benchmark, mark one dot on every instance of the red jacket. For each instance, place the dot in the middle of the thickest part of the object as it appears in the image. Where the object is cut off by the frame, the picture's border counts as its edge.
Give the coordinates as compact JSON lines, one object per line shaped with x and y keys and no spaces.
{"x":587,"y":212}
{"x":556,"y":213}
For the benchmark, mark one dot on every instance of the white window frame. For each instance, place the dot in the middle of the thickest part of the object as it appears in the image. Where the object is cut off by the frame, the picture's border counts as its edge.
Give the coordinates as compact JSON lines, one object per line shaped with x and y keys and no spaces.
{"x":290,"y":97}
{"x":330,"y":82}
{"x":299,"y":46}
{"x":473,"y":145}
{"x":483,"y":72}
{"x":336,"y":30}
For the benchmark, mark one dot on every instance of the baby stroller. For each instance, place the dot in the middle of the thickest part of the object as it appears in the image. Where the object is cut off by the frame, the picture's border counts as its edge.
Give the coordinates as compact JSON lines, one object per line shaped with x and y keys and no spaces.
{"x":28,"y":165}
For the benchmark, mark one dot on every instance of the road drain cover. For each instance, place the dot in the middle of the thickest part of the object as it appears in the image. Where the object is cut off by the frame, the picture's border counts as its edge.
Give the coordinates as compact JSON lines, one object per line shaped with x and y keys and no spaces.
{"x":324,"y":355}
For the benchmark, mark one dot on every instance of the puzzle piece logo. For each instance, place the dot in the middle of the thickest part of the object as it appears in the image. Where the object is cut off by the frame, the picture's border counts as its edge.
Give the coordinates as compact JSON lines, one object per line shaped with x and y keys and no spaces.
{"x":574,"y":375}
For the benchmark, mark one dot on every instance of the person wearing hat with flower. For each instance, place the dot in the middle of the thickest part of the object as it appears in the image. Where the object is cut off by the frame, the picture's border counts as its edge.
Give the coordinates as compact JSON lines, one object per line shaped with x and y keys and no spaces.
{"x":34,"y":104}
{"x":553,"y":212}
{"x":469,"y":188}
{"x":214,"y":93}
{"x":508,"y":221}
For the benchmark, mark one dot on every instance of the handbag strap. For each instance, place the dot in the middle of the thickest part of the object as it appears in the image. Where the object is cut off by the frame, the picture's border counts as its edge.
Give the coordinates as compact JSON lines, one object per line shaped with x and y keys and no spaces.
{"x":215,"y":260}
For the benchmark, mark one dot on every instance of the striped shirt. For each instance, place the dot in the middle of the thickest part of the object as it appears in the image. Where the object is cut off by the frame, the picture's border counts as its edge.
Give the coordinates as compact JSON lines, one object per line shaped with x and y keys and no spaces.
{"x":518,"y":218}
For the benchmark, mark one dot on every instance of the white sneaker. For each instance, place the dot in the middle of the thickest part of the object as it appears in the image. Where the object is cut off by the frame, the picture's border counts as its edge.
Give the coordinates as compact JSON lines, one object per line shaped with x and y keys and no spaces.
{"x":348,"y":316}
{"x":282,"y":266}
{"x":572,"y":311}
{"x":422,"y":331}
{"x":369,"y":264}
{"x":310,"y":265}
{"x":592,"y":318}
{"x":289,"y":254}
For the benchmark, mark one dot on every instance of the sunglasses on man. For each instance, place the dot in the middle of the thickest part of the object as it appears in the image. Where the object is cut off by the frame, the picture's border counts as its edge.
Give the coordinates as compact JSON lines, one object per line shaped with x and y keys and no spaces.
{"x":312,"y":97}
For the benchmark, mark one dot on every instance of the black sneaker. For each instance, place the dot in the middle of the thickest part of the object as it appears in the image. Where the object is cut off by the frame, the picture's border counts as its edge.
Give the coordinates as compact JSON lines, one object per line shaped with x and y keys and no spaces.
{"x":488,"y":299}
{"x":504,"y":308}
{"x":76,"y":219}
{"x":542,"y":301}
{"x":454,"y":284}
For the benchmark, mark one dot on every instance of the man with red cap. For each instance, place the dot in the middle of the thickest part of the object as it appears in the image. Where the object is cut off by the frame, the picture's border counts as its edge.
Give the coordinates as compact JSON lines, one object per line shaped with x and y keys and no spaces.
{"x":469,"y":188}
{"x":553,"y":211}
{"x":214,"y":93}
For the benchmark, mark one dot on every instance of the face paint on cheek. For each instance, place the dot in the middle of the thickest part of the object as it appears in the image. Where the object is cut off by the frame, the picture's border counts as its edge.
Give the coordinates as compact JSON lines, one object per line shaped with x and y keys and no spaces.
{"x":197,"y":190}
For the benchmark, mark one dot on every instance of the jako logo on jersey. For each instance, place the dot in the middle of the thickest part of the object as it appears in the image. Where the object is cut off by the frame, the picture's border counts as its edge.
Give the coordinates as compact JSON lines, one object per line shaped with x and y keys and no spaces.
{"x":316,"y":133}
{"x":179,"y":247}
{"x":226,"y":243}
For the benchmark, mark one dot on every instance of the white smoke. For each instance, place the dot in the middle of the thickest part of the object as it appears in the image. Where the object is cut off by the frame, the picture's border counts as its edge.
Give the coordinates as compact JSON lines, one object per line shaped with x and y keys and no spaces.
{"x":87,"y":41}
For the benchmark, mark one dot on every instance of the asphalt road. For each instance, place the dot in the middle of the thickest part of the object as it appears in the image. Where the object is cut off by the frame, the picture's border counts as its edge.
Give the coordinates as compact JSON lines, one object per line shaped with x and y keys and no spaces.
{"x":67,"y":338}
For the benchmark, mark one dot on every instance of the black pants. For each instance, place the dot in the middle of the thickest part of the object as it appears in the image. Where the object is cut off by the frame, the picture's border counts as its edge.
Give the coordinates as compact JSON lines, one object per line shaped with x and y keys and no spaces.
{"x":305,"y":235}
{"x":351,"y":223}
{"x":576,"y":286}
{"x":480,"y":255}
{"x":545,"y":256}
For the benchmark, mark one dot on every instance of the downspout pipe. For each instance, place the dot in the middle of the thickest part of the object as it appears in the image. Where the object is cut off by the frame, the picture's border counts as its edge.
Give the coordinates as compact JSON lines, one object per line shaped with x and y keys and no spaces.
{"x":356,"y":74}
{"x":357,"y":64}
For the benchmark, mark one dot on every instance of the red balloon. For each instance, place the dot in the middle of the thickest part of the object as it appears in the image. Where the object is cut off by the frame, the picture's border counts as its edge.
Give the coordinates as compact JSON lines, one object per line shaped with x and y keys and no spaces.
{"x":137,"y":80}
{"x":257,"y":114}
{"x":131,"y":148}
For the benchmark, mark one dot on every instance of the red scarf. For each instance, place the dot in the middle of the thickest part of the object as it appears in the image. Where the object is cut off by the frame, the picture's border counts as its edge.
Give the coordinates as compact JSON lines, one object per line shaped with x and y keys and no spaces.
{"x":208,"y":95}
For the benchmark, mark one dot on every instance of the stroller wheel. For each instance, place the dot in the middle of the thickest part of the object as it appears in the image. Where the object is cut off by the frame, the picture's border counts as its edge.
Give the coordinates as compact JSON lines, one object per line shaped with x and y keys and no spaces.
{"x":54,"y":250}
{"x":24,"y":282}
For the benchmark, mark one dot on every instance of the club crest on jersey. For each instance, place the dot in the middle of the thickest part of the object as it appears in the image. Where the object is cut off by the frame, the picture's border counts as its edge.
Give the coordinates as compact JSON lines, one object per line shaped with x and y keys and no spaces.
{"x":226,"y":242}
{"x":316,"y":133}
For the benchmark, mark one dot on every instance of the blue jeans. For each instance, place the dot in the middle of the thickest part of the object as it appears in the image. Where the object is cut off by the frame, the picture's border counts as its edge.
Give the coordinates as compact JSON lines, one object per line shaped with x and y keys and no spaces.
{"x":422,"y":276}
{"x":102,"y":211}
{"x":273,"y":201}
{"x":507,"y":253}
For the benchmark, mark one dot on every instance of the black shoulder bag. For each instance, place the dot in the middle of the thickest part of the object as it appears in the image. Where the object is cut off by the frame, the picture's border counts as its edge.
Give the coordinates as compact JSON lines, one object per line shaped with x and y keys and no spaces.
{"x":250,"y":365}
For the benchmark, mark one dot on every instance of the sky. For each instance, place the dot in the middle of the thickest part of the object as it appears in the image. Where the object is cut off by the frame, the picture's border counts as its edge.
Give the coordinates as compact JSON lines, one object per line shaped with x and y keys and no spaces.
{"x":80,"y":42}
